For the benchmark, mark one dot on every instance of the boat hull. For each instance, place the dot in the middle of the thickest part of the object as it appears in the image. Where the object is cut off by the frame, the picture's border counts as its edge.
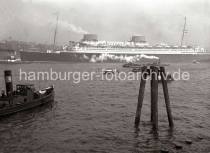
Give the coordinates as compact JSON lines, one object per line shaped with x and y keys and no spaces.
{"x":74,"y":57}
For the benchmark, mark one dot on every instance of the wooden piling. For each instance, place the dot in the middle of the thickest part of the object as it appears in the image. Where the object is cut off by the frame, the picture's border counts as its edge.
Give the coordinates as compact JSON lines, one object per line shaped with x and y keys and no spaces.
{"x":166,"y":96}
{"x":151,"y":86}
{"x":141,"y":95}
{"x":154,"y":97}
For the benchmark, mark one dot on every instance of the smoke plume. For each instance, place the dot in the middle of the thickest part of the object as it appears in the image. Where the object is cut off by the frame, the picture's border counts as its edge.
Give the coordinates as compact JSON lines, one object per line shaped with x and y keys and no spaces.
{"x":121,"y":58}
{"x":71,"y":27}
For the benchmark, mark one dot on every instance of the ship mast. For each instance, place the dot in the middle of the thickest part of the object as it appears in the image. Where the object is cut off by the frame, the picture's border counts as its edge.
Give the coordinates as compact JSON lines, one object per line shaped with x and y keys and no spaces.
{"x":184,"y":30}
{"x":55,"y":34}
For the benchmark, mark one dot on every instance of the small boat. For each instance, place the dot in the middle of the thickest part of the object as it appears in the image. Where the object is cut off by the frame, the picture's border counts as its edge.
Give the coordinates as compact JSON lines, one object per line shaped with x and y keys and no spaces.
{"x":130,"y":64}
{"x":23,"y":98}
{"x":10,"y":60}
{"x":14,"y":62}
{"x":109,"y":71}
{"x":196,"y":62}
{"x":137,"y":69}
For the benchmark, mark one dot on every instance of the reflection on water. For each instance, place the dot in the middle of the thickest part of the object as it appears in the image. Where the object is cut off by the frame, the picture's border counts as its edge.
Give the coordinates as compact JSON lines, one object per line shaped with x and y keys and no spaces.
{"x":98,"y":116}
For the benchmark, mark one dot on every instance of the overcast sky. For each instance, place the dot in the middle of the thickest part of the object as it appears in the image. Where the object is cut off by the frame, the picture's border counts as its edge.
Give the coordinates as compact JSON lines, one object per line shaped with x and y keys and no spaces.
{"x":158,"y":20}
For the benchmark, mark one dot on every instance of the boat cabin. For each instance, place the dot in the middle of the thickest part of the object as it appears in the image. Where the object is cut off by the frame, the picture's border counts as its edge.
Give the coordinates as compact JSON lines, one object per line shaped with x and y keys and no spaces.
{"x":26,"y":91}
{"x":23,"y":89}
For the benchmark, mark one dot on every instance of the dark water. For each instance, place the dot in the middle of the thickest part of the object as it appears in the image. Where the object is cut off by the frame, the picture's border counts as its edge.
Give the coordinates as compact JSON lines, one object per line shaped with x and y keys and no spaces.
{"x":98,"y":116}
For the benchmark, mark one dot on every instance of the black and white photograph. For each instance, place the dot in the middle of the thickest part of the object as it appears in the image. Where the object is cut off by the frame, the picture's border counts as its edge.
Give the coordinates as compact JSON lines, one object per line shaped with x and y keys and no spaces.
{"x":104,"y":76}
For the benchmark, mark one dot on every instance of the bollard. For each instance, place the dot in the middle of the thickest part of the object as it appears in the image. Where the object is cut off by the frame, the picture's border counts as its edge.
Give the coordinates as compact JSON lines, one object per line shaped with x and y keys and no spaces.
{"x":166,"y":96}
{"x":141,"y":95}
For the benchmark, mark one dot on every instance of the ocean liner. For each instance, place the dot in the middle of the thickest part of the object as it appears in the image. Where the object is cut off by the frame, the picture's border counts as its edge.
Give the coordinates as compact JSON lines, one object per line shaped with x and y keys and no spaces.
{"x":90,"y":49}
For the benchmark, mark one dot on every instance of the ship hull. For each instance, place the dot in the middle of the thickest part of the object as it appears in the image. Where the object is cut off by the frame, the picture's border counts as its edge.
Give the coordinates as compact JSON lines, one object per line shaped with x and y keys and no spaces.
{"x":75,"y":57}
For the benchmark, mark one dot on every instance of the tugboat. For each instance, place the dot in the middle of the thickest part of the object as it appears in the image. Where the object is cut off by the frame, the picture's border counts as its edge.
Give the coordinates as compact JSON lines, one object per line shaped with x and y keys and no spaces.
{"x":23,"y":98}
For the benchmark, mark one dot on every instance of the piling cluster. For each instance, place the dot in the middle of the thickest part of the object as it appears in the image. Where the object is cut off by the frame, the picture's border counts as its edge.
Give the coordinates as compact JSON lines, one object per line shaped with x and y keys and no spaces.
{"x":156,"y":72}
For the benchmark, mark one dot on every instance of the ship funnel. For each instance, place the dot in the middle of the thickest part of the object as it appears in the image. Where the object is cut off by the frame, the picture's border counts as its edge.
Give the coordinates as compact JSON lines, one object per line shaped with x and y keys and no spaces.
{"x":8,"y":82}
{"x":90,"y":37}
{"x":138,"y":39}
